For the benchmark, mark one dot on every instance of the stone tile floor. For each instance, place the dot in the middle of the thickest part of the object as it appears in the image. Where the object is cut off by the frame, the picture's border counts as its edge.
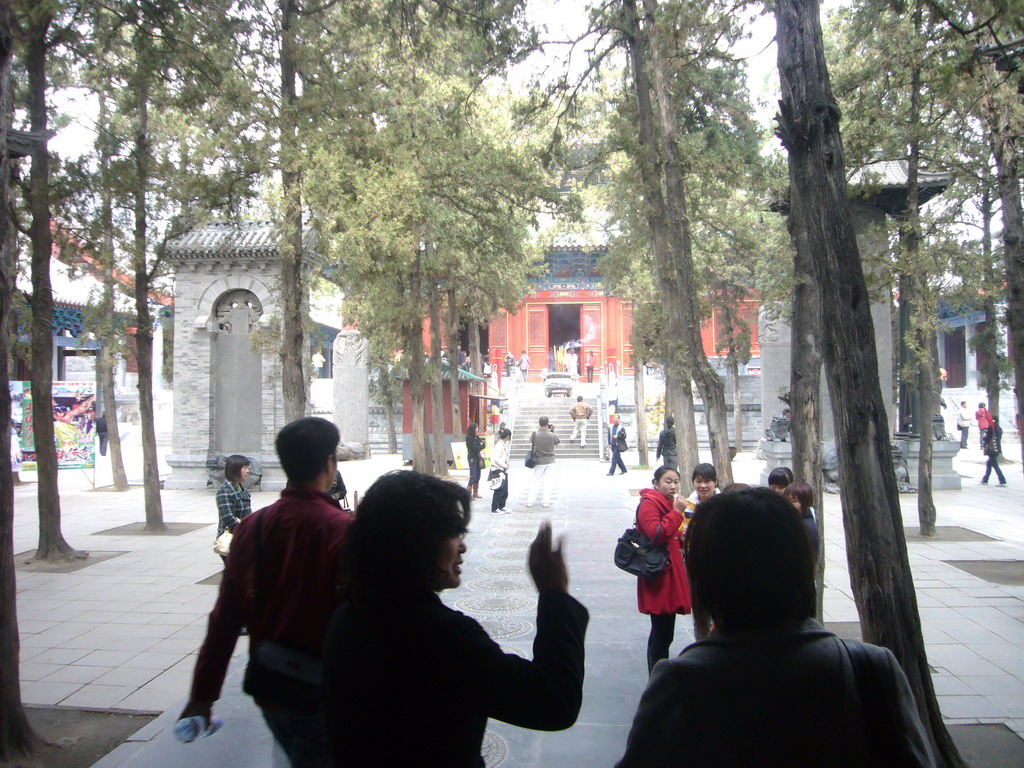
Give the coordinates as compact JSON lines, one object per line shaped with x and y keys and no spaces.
{"x":122,"y":633}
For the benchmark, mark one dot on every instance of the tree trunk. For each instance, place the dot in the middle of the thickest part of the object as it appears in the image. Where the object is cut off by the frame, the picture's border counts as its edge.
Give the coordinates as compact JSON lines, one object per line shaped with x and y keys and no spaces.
{"x":105,"y":360}
{"x":677,"y":362}
{"x":389,"y":413}
{"x":475,"y":352}
{"x":679,"y":404}
{"x":737,"y":402}
{"x":876,"y":549}
{"x":452,"y":332}
{"x":986,"y":341}
{"x":294,"y":382}
{"x":17,"y":739}
{"x":52,"y":545}
{"x":924,"y":337}
{"x":437,"y":385}
{"x":709,"y":384}
{"x":422,"y":455}
{"x":641,"y":414}
{"x":1004,"y":134}
{"x":143,"y":320}
{"x":805,"y":390}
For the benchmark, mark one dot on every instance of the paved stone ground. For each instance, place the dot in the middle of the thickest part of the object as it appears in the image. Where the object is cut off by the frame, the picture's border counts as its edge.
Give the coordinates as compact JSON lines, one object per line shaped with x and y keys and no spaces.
{"x":122,"y":633}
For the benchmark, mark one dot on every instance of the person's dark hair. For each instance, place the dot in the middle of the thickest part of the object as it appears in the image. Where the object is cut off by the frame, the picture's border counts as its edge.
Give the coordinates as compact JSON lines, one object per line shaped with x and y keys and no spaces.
{"x":661,"y":471}
{"x":981,"y":405}
{"x":304,"y":446}
{"x":705,"y":470}
{"x":995,"y":419}
{"x":733,"y":487}
{"x":803,"y":493}
{"x":391,"y":548}
{"x":504,"y":432}
{"x":781,"y":476}
{"x":233,"y":467}
{"x":579,"y":398}
{"x":471,"y":430}
{"x":750,"y":562}
{"x":669,"y":422}
{"x":543,"y":421}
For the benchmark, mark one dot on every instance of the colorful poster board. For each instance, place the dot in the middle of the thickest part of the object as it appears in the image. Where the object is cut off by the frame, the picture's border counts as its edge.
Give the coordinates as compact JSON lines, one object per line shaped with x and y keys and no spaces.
{"x":73,"y":410}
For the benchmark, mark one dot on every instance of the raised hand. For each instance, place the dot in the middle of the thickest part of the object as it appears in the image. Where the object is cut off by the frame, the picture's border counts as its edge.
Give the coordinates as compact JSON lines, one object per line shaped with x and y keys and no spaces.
{"x":545,"y":561}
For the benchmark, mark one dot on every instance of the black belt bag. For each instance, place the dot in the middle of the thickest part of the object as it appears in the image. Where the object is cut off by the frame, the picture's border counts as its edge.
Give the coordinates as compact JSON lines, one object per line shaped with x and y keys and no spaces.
{"x":283,"y":677}
{"x":276,"y":675}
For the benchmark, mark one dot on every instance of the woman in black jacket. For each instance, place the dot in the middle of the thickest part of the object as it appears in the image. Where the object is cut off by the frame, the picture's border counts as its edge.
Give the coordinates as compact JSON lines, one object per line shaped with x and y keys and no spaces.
{"x":474,"y":446}
{"x":993,"y":447}
{"x":411,"y":682}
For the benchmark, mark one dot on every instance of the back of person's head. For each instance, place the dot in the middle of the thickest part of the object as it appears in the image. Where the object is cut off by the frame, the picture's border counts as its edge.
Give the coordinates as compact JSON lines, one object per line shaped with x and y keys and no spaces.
{"x":669,"y":422}
{"x":304,"y":446}
{"x":392,"y":546}
{"x":705,"y":470}
{"x":802,"y":492}
{"x":579,"y":398}
{"x":750,"y":562}
{"x":471,"y":429}
{"x":505,"y":433}
{"x":733,"y":487}
{"x":780,"y":476}
{"x":543,"y":421}
{"x":981,"y":405}
{"x":233,"y":467}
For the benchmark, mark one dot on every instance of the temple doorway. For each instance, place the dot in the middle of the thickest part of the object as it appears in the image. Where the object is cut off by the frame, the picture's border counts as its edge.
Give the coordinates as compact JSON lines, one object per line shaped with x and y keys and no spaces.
{"x":563,"y":331}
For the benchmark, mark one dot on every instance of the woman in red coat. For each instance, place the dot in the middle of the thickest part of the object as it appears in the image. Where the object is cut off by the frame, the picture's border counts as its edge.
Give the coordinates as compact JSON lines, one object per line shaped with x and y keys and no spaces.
{"x":669,"y":593}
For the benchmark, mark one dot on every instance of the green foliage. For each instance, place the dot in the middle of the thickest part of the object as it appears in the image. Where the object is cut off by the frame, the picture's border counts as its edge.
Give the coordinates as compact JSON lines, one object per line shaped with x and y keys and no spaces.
{"x":437,"y":184}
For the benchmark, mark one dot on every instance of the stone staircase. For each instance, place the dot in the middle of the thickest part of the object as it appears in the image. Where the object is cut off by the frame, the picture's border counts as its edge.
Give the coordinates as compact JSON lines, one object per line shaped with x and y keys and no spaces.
{"x":530,"y":409}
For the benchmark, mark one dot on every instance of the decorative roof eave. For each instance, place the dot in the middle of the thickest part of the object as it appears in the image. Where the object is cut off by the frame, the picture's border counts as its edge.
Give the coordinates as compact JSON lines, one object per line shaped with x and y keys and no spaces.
{"x":233,"y":240}
{"x":883,"y":183}
{"x":21,"y":143}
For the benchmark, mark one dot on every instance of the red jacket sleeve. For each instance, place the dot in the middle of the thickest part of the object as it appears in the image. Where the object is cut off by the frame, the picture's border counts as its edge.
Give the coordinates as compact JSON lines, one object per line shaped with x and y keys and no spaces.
{"x":655,"y":526}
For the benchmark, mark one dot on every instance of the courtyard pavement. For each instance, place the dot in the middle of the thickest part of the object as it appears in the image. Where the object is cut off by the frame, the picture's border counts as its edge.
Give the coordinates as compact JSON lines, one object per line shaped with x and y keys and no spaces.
{"x":121,"y":633}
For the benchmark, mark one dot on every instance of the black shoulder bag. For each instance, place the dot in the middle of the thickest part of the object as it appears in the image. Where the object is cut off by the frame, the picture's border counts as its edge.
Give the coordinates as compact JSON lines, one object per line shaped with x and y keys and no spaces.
{"x":277,"y":675}
{"x":531,"y":459}
{"x":637,"y":555}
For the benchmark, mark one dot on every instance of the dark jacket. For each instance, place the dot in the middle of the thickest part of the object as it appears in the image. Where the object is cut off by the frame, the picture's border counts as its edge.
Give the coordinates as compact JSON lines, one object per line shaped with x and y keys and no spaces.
{"x":772,"y":700}
{"x":412,"y":683}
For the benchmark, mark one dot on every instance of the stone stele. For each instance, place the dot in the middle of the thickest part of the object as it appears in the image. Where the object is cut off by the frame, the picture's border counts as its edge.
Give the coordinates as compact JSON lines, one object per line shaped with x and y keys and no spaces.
{"x":352,"y":387}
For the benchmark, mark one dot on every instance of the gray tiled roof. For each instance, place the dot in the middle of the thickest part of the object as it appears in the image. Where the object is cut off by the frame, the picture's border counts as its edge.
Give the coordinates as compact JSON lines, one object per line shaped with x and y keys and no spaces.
{"x":884,"y":184}
{"x":893,"y":173}
{"x":231,"y":239}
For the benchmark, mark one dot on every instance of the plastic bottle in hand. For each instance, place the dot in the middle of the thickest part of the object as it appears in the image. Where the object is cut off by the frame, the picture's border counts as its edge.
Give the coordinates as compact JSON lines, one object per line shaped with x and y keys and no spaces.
{"x":188,"y":729}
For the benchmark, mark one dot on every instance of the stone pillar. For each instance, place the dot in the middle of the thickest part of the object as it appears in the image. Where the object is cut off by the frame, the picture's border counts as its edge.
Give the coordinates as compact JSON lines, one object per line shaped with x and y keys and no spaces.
{"x":227,"y":389}
{"x":774,"y":334}
{"x":352,"y":387}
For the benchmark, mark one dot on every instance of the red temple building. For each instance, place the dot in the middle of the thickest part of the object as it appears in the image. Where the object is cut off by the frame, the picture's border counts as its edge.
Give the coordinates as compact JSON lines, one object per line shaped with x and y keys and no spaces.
{"x":570,"y":306}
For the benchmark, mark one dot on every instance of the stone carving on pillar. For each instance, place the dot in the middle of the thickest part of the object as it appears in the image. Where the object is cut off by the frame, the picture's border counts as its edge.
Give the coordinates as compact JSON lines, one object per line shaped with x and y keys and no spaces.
{"x":238,"y":312}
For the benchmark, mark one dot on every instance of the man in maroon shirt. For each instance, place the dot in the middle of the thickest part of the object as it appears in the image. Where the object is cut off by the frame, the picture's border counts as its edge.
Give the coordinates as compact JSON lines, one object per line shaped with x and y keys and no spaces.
{"x":299,"y":538}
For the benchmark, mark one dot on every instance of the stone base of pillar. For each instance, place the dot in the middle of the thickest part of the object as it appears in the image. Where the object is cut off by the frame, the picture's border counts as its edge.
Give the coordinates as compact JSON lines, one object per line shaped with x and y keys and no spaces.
{"x":775,"y":455}
{"x":944,"y":477}
{"x":188,"y":472}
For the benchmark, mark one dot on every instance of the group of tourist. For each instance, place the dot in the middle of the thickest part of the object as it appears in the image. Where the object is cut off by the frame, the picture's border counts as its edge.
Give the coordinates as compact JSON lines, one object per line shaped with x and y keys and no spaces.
{"x":355,"y":661}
